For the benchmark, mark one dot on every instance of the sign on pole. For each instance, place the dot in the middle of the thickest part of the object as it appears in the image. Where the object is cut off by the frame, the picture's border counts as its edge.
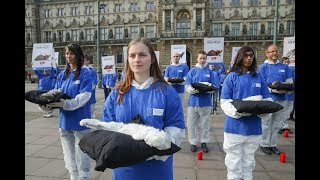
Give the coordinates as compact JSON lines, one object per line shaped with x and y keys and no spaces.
{"x":108,"y":65}
{"x":214,"y":48}
{"x":289,"y":50}
{"x":42,"y":56}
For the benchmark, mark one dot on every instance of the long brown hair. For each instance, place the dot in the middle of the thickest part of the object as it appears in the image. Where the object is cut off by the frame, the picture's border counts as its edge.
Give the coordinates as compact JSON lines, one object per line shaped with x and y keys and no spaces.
{"x":238,"y":61}
{"x":124,"y":85}
{"x":77,"y":51}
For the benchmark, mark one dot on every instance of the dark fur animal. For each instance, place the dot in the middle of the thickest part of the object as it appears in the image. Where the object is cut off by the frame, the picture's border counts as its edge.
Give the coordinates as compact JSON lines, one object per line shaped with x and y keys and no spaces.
{"x":43,"y":97}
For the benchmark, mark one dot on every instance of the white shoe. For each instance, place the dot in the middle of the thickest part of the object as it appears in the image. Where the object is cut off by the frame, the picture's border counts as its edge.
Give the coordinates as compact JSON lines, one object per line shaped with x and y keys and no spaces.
{"x":215,"y":112}
{"x":47,"y":115}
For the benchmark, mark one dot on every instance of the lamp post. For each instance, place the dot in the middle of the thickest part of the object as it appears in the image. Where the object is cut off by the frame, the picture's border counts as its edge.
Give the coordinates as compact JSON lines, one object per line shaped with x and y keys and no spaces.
{"x":275,"y":30}
{"x":98,"y":49}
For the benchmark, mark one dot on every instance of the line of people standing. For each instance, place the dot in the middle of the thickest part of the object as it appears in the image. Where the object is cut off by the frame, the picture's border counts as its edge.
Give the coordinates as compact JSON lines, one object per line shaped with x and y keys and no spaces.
{"x":145,"y":91}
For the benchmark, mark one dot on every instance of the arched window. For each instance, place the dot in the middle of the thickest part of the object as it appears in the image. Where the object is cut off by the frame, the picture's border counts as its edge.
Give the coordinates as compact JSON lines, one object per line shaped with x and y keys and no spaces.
{"x":183,"y":28}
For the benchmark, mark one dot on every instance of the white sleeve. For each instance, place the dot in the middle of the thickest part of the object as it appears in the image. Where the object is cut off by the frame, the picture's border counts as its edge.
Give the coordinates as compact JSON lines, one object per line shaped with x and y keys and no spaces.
{"x":289,"y":81}
{"x":79,"y":101}
{"x":228,"y":108}
{"x":176,"y":136}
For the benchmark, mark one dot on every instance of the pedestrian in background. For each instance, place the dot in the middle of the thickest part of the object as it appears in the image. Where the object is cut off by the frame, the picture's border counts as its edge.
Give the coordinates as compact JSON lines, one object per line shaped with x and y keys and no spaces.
{"x":242,"y":131}
{"x":289,"y":101}
{"x":144,"y":92}
{"x":108,"y":83}
{"x":273,"y":71}
{"x":94,"y":76}
{"x":199,"y":104}
{"x":177,"y":70}
{"x":216,"y":83}
{"x":75,"y":81}
{"x":46,"y":81}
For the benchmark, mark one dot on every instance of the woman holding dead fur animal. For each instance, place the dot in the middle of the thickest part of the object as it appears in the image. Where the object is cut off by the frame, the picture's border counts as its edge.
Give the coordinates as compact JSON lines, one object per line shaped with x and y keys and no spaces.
{"x":144,"y":91}
{"x":75,"y":81}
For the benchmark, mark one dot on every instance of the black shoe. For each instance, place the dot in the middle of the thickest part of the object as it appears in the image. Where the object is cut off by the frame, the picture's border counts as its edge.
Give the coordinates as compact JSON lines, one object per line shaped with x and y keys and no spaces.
{"x":204,"y":147}
{"x":291,"y":119}
{"x":266,"y":150}
{"x":280,"y":131}
{"x":275,"y":150}
{"x":193,"y":148}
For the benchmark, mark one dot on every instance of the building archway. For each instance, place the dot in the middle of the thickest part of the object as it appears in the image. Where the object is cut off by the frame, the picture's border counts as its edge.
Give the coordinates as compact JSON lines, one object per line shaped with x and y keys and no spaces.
{"x":188,"y":57}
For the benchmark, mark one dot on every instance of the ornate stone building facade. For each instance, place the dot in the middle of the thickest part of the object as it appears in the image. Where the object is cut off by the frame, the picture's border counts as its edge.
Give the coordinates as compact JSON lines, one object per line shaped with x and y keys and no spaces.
{"x":164,"y":22}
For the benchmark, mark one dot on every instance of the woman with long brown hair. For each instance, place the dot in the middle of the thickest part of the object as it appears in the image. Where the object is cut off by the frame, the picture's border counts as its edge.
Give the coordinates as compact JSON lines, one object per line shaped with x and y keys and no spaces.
{"x":144,"y":92}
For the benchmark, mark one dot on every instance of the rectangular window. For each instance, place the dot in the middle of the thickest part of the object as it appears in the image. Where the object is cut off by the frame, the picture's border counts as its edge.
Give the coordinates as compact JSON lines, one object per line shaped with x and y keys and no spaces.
{"x":103,"y":8}
{"x":60,"y":12}
{"x":89,"y":34}
{"x":270,"y":28}
{"x":253,"y":28}
{"x":270,"y":2}
{"x":61,"y":36}
{"x":150,"y":32}
{"x":183,"y":29}
{"x":134,"y":7}
{"x":217,"y":29}
{"x":118,"y":7}
{"x":168,"y":20}
{"x":291,"y":27}
{"x":235,"y":3}
{"x":118,"y":32}
{"x":74,"y":11}
{"x":104,"y":33}
{"x":217,"y":3}
{"x":291,"y":1}
{"x":150,"y":6}
{"x":235,"y":29}
{"x":253,"y":2}
{"x":134,"y":32}
{"x":47,"y":36}
{"x":47,"y":13}
{"x":87,"y":10}
{"x":75,"y":35}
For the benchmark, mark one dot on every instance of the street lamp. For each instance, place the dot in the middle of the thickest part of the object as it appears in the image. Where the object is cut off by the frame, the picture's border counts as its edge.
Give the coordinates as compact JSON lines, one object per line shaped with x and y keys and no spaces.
{"x":98,"y":46}
{"x":275,"y":30}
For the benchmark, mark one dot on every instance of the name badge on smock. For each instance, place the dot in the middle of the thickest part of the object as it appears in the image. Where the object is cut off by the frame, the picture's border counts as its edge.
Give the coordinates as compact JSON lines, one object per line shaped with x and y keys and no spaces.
{"x":256,"y":85}
{"x":77,"y":81}
{"x":179,"y":70}
{"x":208,"y":75}
{"x":282,"y":70}
{"x":155,"y":112}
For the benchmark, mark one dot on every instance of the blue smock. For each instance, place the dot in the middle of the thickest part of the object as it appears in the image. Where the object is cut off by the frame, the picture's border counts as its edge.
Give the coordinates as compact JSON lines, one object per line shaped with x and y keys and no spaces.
{"x":69,"y":120}
{"x":159,"y":106}
{"x":240,"y":86}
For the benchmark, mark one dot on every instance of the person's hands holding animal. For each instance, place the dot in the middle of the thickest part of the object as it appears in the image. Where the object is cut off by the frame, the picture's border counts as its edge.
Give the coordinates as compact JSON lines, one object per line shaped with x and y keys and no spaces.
{"x":44,"y":108}
{"x":57,"y":104}
{"x":192,"y":90}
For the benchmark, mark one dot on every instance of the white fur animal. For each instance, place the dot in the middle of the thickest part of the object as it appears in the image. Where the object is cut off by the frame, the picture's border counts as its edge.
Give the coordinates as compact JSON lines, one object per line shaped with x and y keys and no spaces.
{"x":153,"y":137}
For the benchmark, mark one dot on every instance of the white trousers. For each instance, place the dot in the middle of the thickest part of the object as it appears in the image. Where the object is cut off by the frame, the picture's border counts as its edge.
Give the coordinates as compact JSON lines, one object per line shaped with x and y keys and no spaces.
{"x":289,"y":108}
{"x":240,"y":151}
{"x":198,"y":117}
{"x":77,"y":162}
{"x":271,"y":125}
